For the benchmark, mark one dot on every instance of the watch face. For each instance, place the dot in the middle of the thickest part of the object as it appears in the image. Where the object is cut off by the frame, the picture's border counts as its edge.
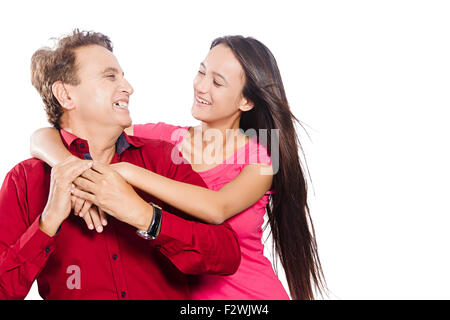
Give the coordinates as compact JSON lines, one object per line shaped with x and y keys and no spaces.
{"x":144,"y":234}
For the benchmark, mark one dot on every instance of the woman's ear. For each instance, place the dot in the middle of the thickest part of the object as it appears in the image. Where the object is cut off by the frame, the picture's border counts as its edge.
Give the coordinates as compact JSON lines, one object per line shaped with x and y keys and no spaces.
{"x":246,"y":105}
{"x":62,"y":95}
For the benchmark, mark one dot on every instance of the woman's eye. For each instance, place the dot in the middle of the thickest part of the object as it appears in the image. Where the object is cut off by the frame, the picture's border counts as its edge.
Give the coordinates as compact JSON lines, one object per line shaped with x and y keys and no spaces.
{"x":111,"y":76}
{"x":217,"y":84}
{"x":201,"y":72}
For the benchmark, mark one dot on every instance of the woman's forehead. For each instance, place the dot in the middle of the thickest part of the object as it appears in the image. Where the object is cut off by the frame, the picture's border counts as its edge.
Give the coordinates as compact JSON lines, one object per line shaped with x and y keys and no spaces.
{"x":222,"y":60}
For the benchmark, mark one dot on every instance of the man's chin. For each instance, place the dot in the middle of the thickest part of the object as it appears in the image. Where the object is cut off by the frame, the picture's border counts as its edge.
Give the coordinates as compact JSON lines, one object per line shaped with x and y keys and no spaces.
{"x":126,"y":124}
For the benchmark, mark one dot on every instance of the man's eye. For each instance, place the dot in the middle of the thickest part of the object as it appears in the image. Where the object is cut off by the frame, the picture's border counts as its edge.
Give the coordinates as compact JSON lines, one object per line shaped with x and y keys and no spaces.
{"x":112,"y":76}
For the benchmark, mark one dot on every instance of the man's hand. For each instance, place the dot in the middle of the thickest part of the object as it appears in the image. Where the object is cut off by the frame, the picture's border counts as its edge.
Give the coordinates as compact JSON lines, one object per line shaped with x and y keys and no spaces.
{"x":107,"y":189}
{"x":59,"y":200}
{"x":93,"y":216}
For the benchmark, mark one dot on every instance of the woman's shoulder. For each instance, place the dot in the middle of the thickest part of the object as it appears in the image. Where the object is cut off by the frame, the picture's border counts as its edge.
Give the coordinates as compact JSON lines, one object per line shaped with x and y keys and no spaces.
{"x":255,"y":153}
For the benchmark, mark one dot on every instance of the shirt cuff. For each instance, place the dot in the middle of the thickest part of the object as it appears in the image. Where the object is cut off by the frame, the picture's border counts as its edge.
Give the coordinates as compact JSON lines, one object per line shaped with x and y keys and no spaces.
{"x":175,"y":233}
{"x":35,"y":245}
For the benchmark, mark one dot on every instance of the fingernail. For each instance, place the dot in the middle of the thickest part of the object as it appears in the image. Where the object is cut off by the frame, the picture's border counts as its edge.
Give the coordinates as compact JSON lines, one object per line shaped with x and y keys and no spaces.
{"x":99,"y":229}
{"x":104,"y":222}
{"x":91,"y":227}
{"x":81,"y":215}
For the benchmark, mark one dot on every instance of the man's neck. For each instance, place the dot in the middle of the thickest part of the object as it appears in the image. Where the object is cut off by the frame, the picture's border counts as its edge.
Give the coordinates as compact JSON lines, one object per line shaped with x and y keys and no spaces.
{"x":102,"y":142}
{"x":102,"y":151}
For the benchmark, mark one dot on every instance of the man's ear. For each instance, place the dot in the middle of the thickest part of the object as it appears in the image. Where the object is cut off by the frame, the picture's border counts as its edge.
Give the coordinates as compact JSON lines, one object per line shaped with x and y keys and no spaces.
{"x":246,"y":105}
{"x":62,"y":95}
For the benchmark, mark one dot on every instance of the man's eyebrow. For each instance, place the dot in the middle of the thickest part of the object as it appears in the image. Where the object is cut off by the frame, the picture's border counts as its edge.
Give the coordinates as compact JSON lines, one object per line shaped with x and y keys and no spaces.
{"x":111,"y":69}
{"x":215,"y":73}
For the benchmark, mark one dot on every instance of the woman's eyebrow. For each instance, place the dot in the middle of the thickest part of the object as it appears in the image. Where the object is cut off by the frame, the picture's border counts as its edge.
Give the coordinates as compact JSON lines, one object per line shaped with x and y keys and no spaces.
{"x":215,"y":73}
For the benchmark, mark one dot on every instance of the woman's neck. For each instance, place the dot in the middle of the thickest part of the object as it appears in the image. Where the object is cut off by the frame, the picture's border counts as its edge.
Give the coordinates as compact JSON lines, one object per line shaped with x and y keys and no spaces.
{"x":211,"y":144}
{"x":224,"y":132}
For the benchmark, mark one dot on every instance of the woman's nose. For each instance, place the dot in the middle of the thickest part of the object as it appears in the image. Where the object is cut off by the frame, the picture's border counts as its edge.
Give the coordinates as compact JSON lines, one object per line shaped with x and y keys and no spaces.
{"x":201,"y":83}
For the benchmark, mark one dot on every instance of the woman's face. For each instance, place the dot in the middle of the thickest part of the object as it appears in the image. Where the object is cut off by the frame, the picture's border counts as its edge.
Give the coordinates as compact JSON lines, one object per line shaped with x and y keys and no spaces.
{"x":218,"y":88}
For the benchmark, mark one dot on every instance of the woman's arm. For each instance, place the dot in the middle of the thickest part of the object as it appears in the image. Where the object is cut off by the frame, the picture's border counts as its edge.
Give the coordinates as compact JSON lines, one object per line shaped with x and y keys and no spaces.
{"x":46,"y":144}
{"x":207,"y":205}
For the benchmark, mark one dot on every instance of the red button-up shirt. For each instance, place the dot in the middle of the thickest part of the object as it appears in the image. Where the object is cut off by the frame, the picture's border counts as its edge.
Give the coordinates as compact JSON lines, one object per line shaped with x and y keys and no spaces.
{"x":78,"y":263}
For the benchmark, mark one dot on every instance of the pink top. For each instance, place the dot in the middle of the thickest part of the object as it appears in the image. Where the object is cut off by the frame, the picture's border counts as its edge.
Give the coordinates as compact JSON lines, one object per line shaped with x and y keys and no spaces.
{"x":255,"y":278}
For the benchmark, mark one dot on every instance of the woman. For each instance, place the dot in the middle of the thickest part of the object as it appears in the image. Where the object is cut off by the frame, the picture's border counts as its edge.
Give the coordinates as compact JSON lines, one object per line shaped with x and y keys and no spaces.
{"x":238,"y":86}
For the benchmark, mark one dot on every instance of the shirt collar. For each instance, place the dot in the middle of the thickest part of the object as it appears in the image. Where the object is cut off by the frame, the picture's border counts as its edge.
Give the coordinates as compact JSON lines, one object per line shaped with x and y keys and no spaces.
{"x":73,"y":143}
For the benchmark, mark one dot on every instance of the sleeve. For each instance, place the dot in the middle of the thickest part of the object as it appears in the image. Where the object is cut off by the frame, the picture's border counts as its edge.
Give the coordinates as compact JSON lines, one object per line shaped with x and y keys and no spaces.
{"x":198,"y":248}
{"x":24,"y":248}
{"x":192,"y":246}
{"x":258,"y":153}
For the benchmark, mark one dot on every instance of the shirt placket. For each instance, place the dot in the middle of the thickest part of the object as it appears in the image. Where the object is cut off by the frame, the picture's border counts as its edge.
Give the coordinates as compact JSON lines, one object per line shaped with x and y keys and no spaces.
{"x":111,"y":239}
{"x":116,"y":260}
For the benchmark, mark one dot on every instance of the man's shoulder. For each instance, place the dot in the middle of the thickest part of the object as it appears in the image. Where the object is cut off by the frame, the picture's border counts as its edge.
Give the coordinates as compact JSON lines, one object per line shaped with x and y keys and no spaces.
{"x":154,"y":154}
{"x":150,"y":141}
{"x":30,"y":168}
{"x":167,"y":160}
{"x":156,"y":147}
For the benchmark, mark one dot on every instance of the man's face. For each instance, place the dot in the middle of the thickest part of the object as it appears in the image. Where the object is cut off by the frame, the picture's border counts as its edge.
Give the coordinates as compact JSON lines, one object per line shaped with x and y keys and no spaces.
{"x":102,"y":95}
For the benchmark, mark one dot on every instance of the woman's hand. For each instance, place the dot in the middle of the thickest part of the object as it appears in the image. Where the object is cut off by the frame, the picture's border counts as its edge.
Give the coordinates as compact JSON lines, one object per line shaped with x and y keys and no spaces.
{"x":107,"y":189}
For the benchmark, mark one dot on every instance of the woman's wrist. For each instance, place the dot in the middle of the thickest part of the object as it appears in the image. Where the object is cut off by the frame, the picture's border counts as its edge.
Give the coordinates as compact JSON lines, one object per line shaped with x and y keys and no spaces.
{"x":122,"y":169}
{"x":144,"y":217}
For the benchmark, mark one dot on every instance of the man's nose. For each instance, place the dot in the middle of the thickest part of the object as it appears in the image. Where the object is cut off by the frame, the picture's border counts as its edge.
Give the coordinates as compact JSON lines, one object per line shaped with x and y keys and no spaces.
{"x":126,"y":87}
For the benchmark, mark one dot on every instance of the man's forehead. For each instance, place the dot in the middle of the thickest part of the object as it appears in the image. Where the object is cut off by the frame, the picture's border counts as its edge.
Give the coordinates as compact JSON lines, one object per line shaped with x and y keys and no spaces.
{"x":96,"y":58}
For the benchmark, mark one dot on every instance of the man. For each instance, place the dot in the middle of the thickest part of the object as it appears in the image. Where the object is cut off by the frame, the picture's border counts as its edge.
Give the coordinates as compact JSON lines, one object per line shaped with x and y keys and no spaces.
{"x":86,"y":96}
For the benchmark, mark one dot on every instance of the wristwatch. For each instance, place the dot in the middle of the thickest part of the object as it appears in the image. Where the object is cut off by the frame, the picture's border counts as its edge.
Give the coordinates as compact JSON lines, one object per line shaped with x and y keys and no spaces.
{"x":155,"y":225}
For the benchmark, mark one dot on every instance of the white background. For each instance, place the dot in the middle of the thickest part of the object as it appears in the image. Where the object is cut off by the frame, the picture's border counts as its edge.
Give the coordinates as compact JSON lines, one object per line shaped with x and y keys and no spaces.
{"x":370,"y":79}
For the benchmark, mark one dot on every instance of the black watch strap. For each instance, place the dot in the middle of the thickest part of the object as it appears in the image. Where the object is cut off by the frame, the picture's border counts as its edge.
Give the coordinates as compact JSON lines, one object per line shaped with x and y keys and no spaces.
{"x":156,"y":221}
{"x":155,"y":224}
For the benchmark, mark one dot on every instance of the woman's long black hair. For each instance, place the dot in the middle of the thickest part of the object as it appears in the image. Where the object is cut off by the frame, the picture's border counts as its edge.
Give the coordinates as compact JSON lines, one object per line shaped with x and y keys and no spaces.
{"x":288,"y":211}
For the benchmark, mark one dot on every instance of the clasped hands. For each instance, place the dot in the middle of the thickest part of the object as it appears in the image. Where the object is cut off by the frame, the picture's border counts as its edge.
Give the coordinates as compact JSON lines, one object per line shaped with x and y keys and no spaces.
{"x":103,"y":186}
{"x":100,"y":190}
{"x":93,"y":190}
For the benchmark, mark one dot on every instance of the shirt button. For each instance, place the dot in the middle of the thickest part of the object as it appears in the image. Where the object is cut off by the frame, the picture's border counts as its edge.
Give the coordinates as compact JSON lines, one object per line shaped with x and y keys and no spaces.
{"x":114,"y":256}
{"x":158,"y":246}
{"x":47,"y":250}
{"x":82,"y":145}
{"x":123,"y":294}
